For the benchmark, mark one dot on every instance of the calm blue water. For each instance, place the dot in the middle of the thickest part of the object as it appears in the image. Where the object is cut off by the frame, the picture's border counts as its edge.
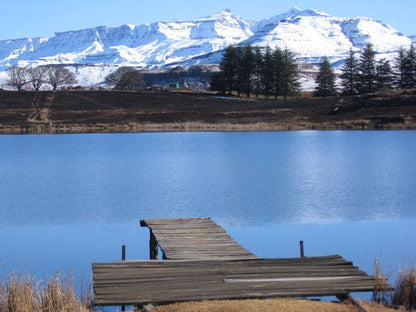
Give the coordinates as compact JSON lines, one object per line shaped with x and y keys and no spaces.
{"x":69,"y":200}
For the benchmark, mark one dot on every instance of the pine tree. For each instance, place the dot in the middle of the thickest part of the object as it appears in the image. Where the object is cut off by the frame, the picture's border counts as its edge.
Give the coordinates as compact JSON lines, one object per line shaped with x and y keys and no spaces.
{"x":258,"y":69}
{"x":349,"y":74}
{"x":228,"y":66}
{"x":278,"y":71}
{"x":217,"y":82}
{"x":290,"y":74}
{"x":367,"y":70}
{"x":410,"y":68}
{"x":240,"y":71}
{"x":384,"y":76}
{"x":325,"y":79}
{"x":267,"y":72}
{"x":247,"y":68}
{"x":400,"y":65}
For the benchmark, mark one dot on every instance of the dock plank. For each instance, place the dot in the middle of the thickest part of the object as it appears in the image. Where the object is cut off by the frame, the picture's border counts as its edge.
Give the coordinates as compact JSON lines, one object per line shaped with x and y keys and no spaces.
{"x":194,"y":238}
{"x":137,"y":282}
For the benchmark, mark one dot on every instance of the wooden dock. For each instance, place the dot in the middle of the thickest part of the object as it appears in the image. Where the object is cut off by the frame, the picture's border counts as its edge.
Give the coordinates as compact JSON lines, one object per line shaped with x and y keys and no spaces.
{"x":192,"y":239}
{"x":203,"y":262}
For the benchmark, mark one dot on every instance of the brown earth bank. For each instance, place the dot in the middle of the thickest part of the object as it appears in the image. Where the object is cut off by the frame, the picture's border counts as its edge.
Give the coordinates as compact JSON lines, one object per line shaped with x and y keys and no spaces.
{"x":115,"y":111}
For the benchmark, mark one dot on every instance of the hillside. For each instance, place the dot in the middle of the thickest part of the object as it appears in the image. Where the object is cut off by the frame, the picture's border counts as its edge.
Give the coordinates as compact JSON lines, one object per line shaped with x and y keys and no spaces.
{"x":113,"y":111}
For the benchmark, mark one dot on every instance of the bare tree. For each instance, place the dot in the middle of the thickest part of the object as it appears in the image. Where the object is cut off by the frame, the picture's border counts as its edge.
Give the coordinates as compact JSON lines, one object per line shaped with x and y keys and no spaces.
{"x":57,"y":75}
{"x":114,"y":77}
{"x":17,"y":77}
{"x":132,"y":79}
{"x":37,"y":76}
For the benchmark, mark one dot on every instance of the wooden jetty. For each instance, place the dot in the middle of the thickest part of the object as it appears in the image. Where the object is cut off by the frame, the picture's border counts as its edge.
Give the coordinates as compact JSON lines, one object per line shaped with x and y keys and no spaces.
{"x":202,"y":262}
{"x":192,"y":239}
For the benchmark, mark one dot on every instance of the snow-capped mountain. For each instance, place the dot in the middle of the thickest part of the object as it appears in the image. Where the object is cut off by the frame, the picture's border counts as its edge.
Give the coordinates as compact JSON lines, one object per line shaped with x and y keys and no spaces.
{"x":92,"y":53}
{"x":145,"y":45}
{"x":313,"y":34}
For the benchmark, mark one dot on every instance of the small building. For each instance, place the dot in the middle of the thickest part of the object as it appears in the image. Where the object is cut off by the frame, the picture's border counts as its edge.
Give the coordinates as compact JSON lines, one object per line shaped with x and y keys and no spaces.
{"x":174,"y":85}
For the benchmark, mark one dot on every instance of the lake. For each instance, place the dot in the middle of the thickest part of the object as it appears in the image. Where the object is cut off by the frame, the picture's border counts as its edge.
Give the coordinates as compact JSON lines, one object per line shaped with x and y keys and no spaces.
{"x":70,"y":200}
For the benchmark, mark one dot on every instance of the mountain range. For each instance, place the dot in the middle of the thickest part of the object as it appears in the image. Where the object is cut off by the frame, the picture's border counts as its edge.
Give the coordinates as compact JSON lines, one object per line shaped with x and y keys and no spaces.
{"x":94,"y":52}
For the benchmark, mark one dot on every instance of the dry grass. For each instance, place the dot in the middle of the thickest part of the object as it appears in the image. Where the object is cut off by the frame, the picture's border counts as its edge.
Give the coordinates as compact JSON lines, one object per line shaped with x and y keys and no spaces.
{"x":405,"y":290}
{"x":382,"y":292}
{"x":375,"y":307}
{"x":275,"y":305}
{"x":22,"y":293}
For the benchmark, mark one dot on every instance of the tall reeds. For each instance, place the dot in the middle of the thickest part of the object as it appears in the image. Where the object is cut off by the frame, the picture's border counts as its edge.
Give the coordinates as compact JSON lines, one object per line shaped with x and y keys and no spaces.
{"x":382,"y":292}
{"x":405,"y":290}
{"x":23,"y":293}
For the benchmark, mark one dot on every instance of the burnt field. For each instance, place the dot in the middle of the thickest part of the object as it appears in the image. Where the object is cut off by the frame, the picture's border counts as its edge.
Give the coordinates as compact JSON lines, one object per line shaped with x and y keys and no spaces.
{"x":115,"y":111}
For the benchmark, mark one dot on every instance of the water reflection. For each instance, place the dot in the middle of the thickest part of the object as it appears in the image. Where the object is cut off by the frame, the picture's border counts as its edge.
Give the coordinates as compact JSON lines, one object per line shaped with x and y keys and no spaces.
{"x":259,"y":178}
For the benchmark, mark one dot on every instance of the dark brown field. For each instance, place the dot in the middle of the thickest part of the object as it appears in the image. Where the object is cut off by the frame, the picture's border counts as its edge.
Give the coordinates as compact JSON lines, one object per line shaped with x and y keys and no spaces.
{"x":115,"y":111}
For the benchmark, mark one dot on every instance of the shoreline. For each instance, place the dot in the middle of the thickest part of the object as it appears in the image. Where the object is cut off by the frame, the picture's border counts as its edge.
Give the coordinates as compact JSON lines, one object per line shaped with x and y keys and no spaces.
{"x":61,"y":112}
{"x":194,"y":127}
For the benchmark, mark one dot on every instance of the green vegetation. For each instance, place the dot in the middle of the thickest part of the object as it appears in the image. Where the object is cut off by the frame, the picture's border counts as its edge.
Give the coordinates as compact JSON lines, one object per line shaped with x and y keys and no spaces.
{"x":325,"y":80}
{"x":247,"y":70}
{"x":366,"y":75}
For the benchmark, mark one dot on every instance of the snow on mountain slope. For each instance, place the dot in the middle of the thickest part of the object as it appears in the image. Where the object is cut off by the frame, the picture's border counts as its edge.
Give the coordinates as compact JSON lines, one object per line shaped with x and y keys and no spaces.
{"x":92,"y":52}
{"x":312,"y":34}
{"x":153,"y":44}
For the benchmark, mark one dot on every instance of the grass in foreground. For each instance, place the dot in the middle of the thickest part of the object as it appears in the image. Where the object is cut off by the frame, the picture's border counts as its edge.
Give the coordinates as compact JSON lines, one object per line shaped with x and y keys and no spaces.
{"x":275,"y":305}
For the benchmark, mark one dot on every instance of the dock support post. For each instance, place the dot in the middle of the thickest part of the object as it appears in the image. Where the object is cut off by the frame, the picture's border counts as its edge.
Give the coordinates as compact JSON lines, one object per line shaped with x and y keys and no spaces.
{"x":302,"y":251}
{"x":123,"y":258}
{"x":153,"y":247}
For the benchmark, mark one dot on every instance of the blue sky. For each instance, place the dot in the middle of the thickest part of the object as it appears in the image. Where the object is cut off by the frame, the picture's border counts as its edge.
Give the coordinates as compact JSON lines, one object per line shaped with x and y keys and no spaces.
{"x":32,"y":18}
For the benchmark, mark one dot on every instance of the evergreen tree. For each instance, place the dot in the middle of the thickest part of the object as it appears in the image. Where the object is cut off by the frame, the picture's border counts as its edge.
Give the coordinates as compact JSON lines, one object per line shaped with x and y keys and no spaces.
{"x":217,"y":82}
{"x":325,"y":79}
{"x":240,"y":71}
{"x":247,"y":68}
{"x":258,"y":69}
{"x":410,"y":68}
{"x":349,"y":74}
{"x":367,"y":70}
{"x":290,"y":74}
{"x":400,"y":64}
{"x":384,"y":76}
{"x":278,"y":71}
{"x":267,"y":72}
{"x":228,"y":67}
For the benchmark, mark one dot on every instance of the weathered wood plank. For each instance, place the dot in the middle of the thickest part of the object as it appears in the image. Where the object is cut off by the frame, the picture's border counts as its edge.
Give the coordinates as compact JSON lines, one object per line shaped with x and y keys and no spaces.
{"x":194,"y":238}
{"x":167,"y":281}
{"x":206,"y":263}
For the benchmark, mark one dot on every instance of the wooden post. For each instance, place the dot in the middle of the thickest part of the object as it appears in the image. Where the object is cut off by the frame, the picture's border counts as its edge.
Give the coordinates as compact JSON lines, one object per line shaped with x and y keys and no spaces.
{"x":123,"y":258}
{"x":153,"y":247}
{"x":302,"y":251}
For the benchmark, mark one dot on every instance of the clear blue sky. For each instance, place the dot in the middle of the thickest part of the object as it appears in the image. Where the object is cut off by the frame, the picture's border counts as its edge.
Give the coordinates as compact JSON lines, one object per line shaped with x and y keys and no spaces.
{"x":32,"y":18}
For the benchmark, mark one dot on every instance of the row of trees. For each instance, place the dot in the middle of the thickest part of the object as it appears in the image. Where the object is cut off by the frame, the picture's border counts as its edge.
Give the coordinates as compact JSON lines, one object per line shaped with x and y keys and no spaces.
{"x":19,"y":77}
{"x":365,"y":74}
{"x":249,"y":70}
